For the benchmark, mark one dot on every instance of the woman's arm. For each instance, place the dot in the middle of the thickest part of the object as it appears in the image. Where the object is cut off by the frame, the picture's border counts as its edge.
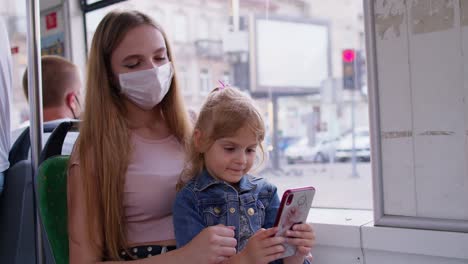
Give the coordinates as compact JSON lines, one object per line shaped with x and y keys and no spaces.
{"x":210,"y":246}
{"x":80,"y":249}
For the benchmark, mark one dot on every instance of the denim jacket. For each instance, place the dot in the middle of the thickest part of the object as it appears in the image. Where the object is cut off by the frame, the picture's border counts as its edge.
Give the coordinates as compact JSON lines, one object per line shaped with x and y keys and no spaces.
{"x":205,"y":201}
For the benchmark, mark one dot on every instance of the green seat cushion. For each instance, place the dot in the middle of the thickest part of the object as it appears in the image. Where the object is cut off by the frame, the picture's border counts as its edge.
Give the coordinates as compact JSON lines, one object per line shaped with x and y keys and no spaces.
{"x":52,"y":192}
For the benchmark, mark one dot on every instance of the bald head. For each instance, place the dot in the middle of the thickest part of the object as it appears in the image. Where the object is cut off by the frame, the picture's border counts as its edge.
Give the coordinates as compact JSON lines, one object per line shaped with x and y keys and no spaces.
{"x":59,"y":78}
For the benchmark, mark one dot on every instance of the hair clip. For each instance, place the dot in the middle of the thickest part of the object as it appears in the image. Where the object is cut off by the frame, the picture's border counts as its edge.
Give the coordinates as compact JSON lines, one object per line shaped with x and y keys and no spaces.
{"x":223,"y":85}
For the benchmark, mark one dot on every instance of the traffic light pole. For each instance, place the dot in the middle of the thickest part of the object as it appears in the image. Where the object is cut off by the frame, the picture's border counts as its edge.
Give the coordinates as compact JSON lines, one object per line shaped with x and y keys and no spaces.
{"x":354,"y":172}
{"x":275,"y":153}
{"x":352,"y":82}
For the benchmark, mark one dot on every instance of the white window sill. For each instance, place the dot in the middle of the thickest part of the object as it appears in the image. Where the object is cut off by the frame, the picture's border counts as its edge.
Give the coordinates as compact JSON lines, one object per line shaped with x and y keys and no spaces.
{"x":355,"y":229}
{"x":338,"y":227}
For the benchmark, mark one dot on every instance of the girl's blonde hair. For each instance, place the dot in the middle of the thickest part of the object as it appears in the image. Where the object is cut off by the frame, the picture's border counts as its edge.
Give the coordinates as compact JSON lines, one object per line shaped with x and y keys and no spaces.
{"x":103,"y":145}
{"x":225,"y":111}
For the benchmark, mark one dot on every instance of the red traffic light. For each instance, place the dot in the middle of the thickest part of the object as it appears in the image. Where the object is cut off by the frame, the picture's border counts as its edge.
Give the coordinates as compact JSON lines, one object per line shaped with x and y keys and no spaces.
{"x":348,"y":55}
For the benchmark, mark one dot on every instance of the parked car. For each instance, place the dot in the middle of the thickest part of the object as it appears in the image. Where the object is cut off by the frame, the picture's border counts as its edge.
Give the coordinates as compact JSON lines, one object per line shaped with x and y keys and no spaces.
{"x":322,"y":152}
{"x":344,"y":149}
{"x":286,"y":142}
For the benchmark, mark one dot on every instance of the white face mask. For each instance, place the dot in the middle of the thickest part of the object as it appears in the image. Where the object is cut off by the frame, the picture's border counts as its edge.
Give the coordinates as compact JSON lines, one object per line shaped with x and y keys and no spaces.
{"x":147,"y":88}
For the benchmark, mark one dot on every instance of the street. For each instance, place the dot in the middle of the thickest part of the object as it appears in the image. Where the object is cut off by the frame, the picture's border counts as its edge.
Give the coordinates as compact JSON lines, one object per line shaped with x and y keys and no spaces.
{"x":334,"y":184}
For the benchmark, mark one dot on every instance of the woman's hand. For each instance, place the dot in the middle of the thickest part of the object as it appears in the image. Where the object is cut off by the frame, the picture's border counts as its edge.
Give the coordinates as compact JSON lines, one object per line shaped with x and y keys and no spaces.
{"x":262,"y":248}
{"x":214,"y":244}
{"x":302,"y":236}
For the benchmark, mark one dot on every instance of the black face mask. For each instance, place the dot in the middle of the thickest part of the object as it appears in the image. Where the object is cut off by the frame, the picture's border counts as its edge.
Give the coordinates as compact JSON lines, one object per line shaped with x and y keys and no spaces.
{"x":73,"y":112}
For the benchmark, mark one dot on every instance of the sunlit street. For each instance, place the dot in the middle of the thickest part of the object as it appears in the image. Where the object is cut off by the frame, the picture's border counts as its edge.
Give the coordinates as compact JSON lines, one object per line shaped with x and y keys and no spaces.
{"x":334,"y":183}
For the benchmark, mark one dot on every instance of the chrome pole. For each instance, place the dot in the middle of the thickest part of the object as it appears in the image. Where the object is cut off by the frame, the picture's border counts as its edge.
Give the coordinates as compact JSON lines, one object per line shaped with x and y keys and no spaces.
{"x":35,"y":110}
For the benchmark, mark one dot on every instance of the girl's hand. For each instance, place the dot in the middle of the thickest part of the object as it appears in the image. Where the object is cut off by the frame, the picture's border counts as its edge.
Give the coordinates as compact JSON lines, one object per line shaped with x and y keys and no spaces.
{"x":214,"y":244}
{"x":302,"y":236}
{"x":262,"y":247}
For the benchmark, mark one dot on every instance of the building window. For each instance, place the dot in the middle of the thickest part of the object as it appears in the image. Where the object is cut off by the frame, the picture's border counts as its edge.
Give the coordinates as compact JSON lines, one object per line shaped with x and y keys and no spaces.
{"x":183,"y":78}
{"x":204,"y":28}
{"x":205,"y":81}
{"x":227,"y":78}
{"x":181,"y":28}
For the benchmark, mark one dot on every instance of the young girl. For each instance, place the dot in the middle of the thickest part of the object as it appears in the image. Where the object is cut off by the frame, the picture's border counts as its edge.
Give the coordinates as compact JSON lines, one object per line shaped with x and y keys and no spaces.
{"x":217,"y":188}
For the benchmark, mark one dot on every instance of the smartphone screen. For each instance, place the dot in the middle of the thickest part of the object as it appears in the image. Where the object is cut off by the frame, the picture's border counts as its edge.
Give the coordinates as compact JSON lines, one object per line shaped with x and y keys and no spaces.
{"x":294,"y":209}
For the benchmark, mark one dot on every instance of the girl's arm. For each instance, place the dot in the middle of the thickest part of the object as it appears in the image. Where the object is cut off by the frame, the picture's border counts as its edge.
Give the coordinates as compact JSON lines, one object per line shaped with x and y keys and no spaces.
{"x":189,"y":226}
{"x":271,"y":209}
{"x":187,"y":219}
{"x":262,"y":248}
{"x":205,"y":247}
{"x":304,"y":236}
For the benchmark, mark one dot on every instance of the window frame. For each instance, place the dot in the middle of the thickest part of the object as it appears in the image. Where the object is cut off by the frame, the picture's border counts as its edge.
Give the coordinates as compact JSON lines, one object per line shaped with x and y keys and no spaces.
{"x":380,"y":217}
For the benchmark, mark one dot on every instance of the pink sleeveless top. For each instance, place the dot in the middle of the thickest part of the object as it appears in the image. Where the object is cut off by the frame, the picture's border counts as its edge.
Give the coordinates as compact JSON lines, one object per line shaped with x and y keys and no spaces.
{"x":150,"y":188}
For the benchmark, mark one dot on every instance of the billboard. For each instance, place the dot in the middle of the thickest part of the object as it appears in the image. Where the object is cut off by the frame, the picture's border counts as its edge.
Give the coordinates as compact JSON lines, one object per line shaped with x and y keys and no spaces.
{"x":289,"y":56}
{"x":55,"y":39}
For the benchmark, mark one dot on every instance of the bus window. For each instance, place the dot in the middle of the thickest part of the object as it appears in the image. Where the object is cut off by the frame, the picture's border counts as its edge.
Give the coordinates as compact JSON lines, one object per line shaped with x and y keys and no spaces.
{"x":302,"y":61}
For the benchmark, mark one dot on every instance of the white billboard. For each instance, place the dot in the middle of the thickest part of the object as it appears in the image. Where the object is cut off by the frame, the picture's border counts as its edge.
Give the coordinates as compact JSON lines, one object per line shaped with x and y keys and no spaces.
{"x":291,"y":56}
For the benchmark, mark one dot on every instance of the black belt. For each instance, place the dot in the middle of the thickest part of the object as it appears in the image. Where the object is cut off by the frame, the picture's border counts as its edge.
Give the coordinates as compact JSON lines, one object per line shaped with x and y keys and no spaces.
{"x":141,"y":252}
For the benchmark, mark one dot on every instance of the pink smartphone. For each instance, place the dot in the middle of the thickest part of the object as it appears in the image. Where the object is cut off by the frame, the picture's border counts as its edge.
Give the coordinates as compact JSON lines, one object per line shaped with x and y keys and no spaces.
{"x":294,"y":208}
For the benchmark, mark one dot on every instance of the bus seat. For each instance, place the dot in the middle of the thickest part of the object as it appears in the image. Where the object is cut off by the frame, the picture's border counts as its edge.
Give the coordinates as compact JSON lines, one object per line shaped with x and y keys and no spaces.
{"x":20,"y":149}
{"x":57,"y":139}
{"x":52,"y":193}
{"x":17,"y":216}
{"x":16,"y":205}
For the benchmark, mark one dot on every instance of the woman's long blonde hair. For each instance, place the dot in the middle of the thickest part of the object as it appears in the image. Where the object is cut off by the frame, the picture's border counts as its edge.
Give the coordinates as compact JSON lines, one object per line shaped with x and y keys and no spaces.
{"x":225,"y":111}
{"x":103,"y":144}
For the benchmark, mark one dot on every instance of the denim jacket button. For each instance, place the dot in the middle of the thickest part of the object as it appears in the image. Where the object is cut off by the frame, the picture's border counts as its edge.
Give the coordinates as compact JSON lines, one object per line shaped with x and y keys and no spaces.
{"x":251,"y":211}
{"x":232,"y":210}
{"x":217,"y":210}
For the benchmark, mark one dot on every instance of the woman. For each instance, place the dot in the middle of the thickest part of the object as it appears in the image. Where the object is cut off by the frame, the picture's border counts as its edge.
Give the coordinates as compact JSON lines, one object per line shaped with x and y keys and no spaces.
{"x":130,"y":152}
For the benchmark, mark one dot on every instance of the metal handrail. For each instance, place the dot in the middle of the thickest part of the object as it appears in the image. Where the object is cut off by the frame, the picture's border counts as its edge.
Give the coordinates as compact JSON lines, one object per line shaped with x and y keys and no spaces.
{"x":35,"y":102}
